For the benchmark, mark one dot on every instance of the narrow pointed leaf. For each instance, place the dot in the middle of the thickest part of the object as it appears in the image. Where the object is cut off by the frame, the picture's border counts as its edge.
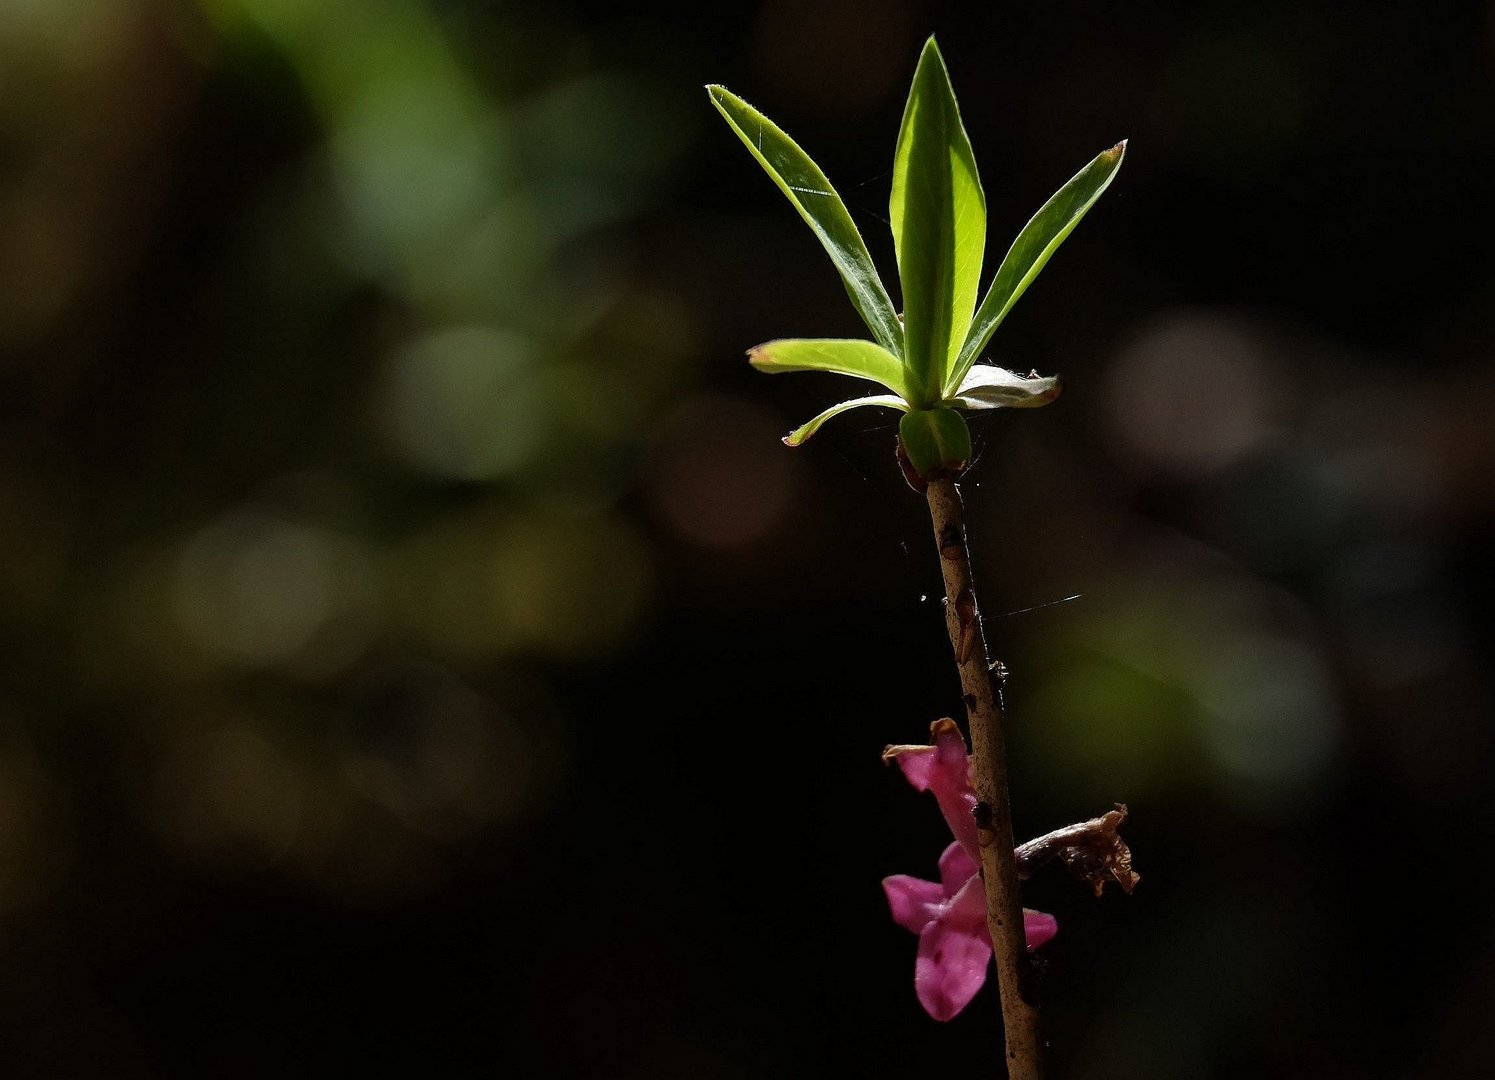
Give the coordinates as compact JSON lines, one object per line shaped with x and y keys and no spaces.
{"x":988,"y":387}
{"x":860,"y":359}
{"x":801,"y":180}
{"x":938,"y":214}
{"x":1039,"y":239}
{"x":800,"y":434}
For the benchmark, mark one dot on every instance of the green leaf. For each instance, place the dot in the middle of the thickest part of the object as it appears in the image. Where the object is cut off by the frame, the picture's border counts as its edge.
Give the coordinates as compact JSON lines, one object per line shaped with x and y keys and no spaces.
{"x":801,"y":180}
{"x":800,"y":434}
{"x":860,"y":359}
{"x":1039,"y":239}
{"x":939,"y":227}
{"x":987,"y":387}
{"x":935,"y":440}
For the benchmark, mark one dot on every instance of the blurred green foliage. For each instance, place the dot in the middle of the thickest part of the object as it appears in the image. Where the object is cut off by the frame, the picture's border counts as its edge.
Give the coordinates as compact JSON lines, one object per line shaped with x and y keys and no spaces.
{"x":371,"y":442}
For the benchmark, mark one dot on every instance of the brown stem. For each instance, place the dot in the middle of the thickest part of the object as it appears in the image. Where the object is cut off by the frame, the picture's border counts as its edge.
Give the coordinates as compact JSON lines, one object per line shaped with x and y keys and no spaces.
{"x":980,"y":683}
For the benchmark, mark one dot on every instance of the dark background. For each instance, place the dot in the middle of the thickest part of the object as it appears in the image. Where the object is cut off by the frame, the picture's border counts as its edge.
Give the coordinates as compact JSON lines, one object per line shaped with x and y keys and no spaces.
{"x":418,"y":654}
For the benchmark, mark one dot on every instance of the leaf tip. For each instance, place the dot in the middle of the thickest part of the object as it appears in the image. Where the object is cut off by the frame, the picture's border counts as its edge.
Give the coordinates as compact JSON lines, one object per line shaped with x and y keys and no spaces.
{"x":1046,"y":396}
{"x":931,"y":52}
{"x":791,"y":439}
{"x":1116,"y":152}
{"x":759,"y":358}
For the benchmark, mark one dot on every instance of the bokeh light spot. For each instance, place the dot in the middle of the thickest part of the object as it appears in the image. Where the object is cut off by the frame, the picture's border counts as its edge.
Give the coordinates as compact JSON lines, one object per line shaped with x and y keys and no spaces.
{"x":35,"y":849}
{"x":1192,"y":393}
{"x":229,"y":793}
{"x":463,"y":403}
{"x":440,"y":756}
{"x":549,"y":582}
{"x":569,"y":586}
{"x":1271,"y":714}
{"x":259,"y":590}
{"x":719,"y":476}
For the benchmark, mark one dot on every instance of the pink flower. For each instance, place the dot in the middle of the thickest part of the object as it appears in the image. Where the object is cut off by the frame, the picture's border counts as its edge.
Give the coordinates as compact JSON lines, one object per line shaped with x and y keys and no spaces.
{"x":950,"y":915}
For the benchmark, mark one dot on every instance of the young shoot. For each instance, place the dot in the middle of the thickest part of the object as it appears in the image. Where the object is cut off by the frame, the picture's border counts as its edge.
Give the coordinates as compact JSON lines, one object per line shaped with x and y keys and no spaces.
{"x":925,"y":360}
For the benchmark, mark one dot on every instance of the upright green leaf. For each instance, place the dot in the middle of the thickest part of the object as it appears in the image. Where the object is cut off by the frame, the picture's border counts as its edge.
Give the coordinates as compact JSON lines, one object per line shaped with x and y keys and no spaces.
{"x":801,"y":180}
{"x":860,"y":359}
{"x":1039,"y":239}
{"x":939,"y":227}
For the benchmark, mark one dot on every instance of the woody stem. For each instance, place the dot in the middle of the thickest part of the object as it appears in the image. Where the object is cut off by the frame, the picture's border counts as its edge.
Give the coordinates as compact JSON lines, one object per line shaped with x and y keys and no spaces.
{"x":981,"y":690}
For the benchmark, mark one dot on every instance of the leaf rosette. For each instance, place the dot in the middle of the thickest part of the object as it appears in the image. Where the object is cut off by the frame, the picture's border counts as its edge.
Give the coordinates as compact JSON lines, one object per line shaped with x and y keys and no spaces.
{"x":926,"y":358}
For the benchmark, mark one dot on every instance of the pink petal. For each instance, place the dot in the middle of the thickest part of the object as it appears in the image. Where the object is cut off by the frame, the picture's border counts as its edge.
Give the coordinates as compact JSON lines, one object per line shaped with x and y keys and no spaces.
{"x":956,"y":868}
{"x":950,"y":780}
{"x":1038,"y":927}
{"x":915,"y":903}
{"x":950,"y":967}
{"x":917,"y":764}
{"x":967,"y":908}
{"x":945,"y":769}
